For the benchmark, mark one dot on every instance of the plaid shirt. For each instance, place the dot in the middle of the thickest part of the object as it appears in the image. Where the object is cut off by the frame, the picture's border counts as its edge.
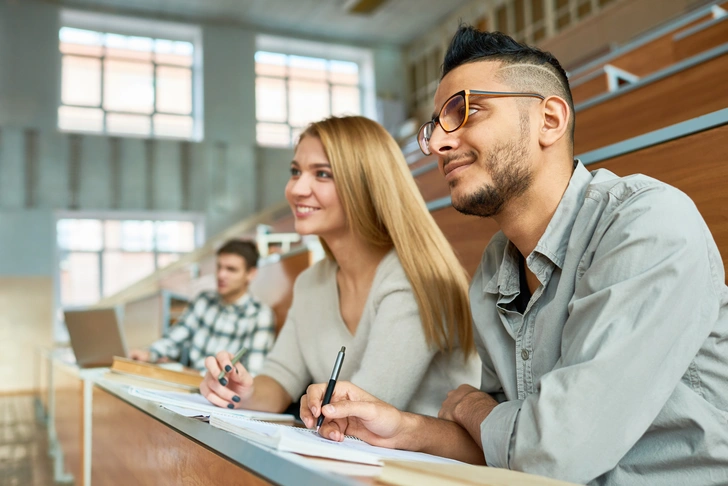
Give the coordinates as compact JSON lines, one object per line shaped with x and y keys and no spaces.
{"x":209,"y":326}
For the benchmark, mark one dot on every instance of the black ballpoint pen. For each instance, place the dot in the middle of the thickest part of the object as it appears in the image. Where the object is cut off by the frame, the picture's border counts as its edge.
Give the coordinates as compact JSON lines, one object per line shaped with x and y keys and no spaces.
{"x":332,"y":384}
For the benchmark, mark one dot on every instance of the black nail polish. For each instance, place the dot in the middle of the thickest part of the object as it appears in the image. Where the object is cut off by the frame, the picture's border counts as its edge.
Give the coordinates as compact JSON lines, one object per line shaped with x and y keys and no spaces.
{"x":230,"y":405}
{"x":228,"y":368}
{"x":223,"y":381}
{"x":236,"y":399}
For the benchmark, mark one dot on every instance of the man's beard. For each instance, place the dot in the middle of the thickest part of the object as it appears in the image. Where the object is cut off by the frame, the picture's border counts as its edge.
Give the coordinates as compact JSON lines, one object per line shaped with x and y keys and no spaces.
{"x":507,"y":165}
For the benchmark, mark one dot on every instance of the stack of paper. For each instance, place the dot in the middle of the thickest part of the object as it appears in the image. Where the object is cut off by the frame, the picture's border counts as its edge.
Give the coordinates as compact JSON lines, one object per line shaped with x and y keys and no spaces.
{"x":308,"y":442}
{"x":200,"y":406}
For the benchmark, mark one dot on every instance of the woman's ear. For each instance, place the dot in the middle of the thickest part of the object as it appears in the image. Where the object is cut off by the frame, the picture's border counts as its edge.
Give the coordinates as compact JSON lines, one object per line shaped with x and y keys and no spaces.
{"x":555,"y":121}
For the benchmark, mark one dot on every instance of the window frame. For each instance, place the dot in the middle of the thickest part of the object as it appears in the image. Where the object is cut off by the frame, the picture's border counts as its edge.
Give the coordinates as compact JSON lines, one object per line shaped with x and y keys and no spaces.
{"x":362,"y":57}
{"x":197,"y":219}
{"x":137,"y":27}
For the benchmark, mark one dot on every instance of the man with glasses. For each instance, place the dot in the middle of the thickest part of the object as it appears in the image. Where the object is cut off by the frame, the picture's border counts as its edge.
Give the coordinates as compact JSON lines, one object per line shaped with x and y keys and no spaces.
{"x":600,"y":308}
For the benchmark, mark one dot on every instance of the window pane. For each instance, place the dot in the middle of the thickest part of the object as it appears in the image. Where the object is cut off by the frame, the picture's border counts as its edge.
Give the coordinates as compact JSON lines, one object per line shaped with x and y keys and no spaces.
{"x":273,"y":134}
{"x":173,"y":126}
{"x":173,"y":52}
{"x":309,"y":101}
{"x":128,"y":47}
{"x":85,"y":119}
{"x":307,"y":67}
{"x":81,"y":81}
{"x":112,"y":234}
{"x":164,"y":259}
{"x":78,"y":41}
{"x":137,"y":235}
{"x":79,"y":234}
{"x":270,"y":64}
{"x":175,"y":236}
{"x":128,"y":124}
{"x":128,"y":86}
{"x":79,"y":278}
{"x":123,"y":269}
{"x":345,"y":100}
{"x":343,"y":72}
{"x":296,"y":134}
{"x":174,"y":90}
{"x":270,"y":100}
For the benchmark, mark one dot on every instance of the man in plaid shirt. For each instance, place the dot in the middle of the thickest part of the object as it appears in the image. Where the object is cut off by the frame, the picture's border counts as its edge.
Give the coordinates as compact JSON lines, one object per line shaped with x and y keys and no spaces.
{"x":226,"y":320}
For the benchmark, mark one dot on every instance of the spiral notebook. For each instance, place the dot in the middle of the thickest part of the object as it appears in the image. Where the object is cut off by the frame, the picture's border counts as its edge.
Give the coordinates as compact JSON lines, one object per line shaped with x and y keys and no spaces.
{"x":309,"y":443}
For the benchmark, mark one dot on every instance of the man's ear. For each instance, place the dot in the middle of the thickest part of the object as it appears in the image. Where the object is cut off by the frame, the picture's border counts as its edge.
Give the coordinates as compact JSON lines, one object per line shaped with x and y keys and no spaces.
{"x":252,"y":273}
{"x":554,"y":121}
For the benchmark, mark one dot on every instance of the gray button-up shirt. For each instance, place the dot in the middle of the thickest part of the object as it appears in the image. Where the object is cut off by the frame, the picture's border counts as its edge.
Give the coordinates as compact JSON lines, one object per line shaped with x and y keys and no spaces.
{"x":617,"y":371}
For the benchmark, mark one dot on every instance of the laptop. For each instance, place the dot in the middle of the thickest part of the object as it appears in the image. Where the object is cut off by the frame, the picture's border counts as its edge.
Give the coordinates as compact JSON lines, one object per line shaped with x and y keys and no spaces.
{"x":96,"y":336}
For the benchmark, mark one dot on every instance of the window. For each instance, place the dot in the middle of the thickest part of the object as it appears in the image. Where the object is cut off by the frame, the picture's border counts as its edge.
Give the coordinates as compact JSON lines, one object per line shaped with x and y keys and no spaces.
{"x":99,"y":257}
{"x":292,"y":91}
{"x":126,"y":85}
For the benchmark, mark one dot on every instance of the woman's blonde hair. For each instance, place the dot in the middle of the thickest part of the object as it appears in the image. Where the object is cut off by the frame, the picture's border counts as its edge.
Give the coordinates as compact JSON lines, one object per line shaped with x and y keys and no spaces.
{"x":384,"y":206}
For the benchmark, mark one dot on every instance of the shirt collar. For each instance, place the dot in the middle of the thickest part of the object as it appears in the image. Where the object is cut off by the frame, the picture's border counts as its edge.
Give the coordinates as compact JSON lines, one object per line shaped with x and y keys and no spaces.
{"x":554,"y":241}
{"x":241,"y":302}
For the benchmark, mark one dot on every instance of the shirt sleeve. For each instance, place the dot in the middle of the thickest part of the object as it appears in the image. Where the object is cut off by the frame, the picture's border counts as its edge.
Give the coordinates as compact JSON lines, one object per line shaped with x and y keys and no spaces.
{"x":644,"y":304}
{"x":171,"y":345}
{"x":261,"y":340}
{"x":396,"y":343}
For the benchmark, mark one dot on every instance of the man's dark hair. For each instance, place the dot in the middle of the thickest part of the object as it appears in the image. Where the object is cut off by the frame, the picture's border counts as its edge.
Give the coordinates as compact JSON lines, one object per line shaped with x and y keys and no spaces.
{"x":244,"y":248}
{"x":530,"y":69}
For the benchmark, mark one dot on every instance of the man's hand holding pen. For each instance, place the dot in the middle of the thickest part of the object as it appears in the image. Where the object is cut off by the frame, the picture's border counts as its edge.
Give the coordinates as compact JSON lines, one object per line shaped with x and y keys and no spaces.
{"x":352,"y":411}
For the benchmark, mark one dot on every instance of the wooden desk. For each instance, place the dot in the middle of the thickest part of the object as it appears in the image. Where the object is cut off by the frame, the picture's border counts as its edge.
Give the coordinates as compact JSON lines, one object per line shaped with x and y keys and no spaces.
{"x":100,"y":435}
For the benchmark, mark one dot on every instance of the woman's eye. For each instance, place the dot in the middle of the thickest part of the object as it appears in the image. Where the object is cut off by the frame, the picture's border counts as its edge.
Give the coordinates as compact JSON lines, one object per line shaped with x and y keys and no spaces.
{"x":295,"y":172}
{"x":323,"y":174}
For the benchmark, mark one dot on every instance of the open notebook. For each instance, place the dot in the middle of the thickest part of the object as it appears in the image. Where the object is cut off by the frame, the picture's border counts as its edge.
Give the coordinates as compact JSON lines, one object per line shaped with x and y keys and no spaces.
{"x":197,"y":403}
{"x":308,"y":442}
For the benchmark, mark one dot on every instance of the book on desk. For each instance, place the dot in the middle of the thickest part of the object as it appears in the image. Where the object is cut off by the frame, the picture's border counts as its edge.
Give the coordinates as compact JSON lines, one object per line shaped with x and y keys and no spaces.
{"x":404,"y":473}
{"x":159,"y":377}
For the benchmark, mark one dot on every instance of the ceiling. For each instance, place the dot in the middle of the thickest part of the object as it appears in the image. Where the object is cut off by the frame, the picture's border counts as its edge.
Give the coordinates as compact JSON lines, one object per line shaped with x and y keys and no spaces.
{"x":393,"y":22}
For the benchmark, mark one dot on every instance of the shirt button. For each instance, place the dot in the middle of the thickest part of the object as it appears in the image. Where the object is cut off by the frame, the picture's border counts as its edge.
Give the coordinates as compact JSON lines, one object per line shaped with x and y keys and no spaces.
{"x":524,"y":354}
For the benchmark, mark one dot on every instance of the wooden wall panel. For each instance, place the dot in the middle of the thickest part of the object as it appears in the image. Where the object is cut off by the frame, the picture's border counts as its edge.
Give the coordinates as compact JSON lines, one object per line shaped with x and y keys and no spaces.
{"x":702,"y":40}
{"x":423,"y":160}
{"x":682,"y":96}
{"x":274,"y":283}
{"x":589,"y":89}
{"x":697,"y":166}
{"x":432,"y":185}
{"x":468,"y":235}
{"x":130,"y":447}
{"x":26,"y":322}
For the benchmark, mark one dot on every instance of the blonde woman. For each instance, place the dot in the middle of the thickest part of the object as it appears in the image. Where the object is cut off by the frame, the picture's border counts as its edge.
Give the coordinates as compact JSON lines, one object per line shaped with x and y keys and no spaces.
{"x":391,"y":289}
